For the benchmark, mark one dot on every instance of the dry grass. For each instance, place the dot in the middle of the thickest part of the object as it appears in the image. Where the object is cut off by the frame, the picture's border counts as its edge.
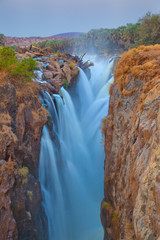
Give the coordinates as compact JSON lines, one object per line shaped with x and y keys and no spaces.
{"x":8,"y":169}
{"x":128,"y":230}
{"x":142,"y":63}
{"x":8,"y":134}
{"x":5,"y":119}
{"x":27,"y":91}
{"x":24,"y":90}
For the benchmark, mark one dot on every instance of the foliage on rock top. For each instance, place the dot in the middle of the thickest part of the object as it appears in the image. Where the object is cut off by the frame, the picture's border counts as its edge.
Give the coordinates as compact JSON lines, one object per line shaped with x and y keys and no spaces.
{"x":23,"y":70}
{"x":142,"y":63}
{"x":18,"y":73}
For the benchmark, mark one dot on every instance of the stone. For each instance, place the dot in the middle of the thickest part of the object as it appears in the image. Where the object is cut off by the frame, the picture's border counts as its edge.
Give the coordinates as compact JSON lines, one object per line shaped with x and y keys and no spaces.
{"x":50,"y":67}
{"x":48,"y":75}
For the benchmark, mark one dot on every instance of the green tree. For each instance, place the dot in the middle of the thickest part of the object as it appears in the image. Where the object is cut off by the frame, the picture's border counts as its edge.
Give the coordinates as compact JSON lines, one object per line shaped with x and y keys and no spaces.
{"x":2,"y":38}
{"x":149,"y":30}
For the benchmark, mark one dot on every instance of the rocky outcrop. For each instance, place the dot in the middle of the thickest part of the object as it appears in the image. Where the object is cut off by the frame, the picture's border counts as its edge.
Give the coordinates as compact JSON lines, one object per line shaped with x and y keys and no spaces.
{"x":22,"y":118}
{"x":131,"y":205}
{"x":61,"y":70}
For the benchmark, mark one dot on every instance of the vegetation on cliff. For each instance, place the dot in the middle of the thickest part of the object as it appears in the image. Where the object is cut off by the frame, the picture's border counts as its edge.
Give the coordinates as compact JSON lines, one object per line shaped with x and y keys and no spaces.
{"x":17,"y":72}
{"x":15,"y":68}
{"x":101,"y":41}
{"x":142,"y":63}
{"x":2,"y":39}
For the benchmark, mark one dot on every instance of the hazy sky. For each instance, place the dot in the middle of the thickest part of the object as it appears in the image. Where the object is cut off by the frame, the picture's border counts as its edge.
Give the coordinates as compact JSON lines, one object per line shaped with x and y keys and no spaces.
{"x":49,"y":17}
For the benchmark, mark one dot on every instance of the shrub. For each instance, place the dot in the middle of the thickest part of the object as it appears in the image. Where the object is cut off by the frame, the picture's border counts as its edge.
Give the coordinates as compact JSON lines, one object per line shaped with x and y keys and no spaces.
{"x":23,"y":172}
{"x":15,"y":48}
{"x":107,"y":179}
{"x":7,"y":57}
{"x":2,"y":38}
{"x":107,"y":206}
{"x":65,"y":83}
{"x":104,"y":120}
{"x":29,"y":215}
{"x":115,"y":217}
{"x":23,"y":70}
{"x":72,"y":65}
{"x":30,"y":195}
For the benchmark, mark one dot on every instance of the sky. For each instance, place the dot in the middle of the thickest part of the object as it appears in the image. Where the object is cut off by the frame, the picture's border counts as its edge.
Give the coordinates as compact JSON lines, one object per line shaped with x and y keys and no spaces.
{"x":25,"y":18}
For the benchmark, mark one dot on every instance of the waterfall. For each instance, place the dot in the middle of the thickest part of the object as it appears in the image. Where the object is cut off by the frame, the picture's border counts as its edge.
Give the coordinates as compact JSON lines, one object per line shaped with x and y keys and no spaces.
{"x":72,"y":157}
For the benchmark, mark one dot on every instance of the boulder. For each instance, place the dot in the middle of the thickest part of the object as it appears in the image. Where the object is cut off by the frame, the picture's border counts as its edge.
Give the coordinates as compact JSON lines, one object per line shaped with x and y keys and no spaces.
{"x":50,"y":67}
{"x":48,"y":74}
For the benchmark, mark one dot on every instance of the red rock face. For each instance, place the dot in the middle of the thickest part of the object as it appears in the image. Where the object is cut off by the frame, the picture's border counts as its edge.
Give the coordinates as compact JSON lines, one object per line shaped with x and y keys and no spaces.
{"x":21,"y":123}
{"x":131,"y":205}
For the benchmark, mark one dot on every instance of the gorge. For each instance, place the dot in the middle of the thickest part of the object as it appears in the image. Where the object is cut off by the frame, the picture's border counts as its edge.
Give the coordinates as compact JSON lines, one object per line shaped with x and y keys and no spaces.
{"x":79,"y":155}
{"x":71,"y":162}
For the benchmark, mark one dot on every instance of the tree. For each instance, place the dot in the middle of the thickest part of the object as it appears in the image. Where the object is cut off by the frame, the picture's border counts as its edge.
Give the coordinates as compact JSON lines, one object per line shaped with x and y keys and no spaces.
{"x":2,"y":38}
{"x":149,"y":31}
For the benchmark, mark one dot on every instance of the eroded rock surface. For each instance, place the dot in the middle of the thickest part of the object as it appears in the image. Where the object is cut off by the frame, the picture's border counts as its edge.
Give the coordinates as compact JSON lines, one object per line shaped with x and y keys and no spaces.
{"x":22,"y":118}
{"x":131,"y":205}
{"x":21,"y":121}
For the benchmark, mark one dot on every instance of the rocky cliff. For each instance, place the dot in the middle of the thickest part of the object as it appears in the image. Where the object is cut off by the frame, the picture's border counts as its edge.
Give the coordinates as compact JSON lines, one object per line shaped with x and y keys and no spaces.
{"x":21,"y":121}
{"x":22,"y":118}
{"x":131,"y":205}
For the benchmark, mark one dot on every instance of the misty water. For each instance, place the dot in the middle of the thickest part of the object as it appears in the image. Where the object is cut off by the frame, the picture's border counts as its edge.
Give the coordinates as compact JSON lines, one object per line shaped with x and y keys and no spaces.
{"x":71,"y":169}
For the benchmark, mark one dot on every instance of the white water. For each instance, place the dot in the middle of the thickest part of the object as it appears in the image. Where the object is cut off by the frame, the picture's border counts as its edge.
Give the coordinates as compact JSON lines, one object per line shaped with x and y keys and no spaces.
{"x":71,"y":161}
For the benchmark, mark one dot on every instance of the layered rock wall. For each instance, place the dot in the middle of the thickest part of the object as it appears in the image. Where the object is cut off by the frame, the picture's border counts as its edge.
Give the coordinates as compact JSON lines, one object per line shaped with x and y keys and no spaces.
{"x":21,"y":121}
{"x":131,"y":205}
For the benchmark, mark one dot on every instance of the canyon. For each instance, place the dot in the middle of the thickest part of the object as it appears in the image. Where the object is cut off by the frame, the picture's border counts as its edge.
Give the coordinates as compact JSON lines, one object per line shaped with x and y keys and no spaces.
{"x":52,"y":150}
{"x":22,"y":118}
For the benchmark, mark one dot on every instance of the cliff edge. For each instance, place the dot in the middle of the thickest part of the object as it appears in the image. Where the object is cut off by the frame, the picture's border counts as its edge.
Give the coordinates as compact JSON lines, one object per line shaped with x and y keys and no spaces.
{"x":131,"y":205}
{"x":23,"y":82}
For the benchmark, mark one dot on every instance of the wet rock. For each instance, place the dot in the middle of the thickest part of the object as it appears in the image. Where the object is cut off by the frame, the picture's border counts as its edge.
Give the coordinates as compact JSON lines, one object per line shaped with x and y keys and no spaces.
{"x":57,"y":82}
{"x":40,"y":65}
{"x":50,"y":67}
{"x":56,"y":65}
{"x":48,"y":74}
{"x":67,"y":74}
{"x":49,"y":87}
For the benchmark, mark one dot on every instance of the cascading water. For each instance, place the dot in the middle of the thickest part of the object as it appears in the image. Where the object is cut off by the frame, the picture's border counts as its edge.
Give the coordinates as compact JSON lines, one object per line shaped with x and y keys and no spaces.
{"x":72,"y":157}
